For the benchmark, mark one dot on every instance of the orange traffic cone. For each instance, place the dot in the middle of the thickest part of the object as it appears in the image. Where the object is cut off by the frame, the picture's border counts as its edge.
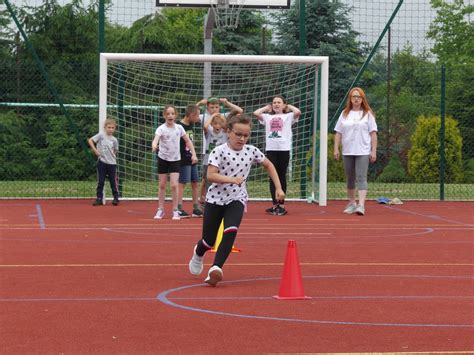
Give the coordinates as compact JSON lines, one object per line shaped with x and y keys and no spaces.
{"x":291,"y":285}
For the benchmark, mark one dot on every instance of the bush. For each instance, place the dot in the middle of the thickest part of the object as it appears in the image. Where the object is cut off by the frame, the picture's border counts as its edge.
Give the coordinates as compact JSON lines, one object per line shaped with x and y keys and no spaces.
{"x":469,"y":171}
{"x":335,"y":167}
{"x":16,"y":150}
{"x":424,"y":158}
{"x":393,"y":172}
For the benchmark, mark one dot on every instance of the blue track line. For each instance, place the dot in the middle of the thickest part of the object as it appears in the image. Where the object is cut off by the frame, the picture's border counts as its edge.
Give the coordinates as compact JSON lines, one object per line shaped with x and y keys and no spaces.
{"x":163,"y":297}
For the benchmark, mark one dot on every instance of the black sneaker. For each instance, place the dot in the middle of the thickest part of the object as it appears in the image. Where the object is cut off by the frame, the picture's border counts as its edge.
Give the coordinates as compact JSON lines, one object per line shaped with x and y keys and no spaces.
{"x":271,"y":210}
{"x":280,"y":211}
{"x":115,"y":202}
{"x":197,"y":212}
{"x":183,"y":214}
{"x":97,"y":203}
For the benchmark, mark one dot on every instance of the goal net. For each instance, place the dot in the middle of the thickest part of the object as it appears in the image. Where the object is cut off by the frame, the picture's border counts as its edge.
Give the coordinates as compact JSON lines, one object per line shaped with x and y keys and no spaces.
{"x":134,"y":88}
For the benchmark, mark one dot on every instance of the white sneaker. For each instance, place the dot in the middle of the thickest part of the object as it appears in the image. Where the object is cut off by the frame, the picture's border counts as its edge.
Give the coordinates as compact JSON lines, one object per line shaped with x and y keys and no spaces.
{"x":159,"y":214}
{"x":360,"y":210}
{"x":350,"y":208}
{"x":176,"y":215}
{"x":214,"y":275}
{"x":196,"y":264}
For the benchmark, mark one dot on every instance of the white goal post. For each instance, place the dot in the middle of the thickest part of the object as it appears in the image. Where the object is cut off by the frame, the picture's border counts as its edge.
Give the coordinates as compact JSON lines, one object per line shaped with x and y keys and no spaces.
{"x":134,"y":88}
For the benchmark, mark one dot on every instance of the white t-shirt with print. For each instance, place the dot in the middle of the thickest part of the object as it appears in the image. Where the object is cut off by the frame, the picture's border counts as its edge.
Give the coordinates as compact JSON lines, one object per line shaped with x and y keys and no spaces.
{"x":213,"y":140}
{"x":233,"y":163}
{"x":169,"y":141}
{"x":278,"y":131}
{"x":355,"y":131}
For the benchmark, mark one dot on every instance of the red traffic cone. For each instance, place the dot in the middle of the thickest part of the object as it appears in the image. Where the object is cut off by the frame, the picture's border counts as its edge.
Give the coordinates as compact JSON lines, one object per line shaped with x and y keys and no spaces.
{"x":291,"y":285}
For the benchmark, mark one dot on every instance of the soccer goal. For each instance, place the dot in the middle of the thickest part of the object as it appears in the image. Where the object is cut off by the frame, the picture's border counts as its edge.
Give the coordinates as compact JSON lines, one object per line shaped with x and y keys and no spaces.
{"x":134,"y":88}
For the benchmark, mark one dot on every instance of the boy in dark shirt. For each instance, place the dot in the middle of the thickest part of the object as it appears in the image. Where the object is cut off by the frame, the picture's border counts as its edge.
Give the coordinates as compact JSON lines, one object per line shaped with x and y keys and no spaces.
{"x":188,"y":171}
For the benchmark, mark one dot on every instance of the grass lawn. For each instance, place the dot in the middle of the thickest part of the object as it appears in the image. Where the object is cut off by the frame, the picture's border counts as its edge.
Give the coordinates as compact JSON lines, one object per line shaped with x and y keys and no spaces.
{"x":257,"y":190}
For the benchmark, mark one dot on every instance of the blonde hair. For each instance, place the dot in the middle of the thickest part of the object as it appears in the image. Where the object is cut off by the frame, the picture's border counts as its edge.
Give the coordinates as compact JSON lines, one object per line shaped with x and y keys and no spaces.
{"x":219,"y":119}
{"x":110,"y":121}
{"x":364,"y":104}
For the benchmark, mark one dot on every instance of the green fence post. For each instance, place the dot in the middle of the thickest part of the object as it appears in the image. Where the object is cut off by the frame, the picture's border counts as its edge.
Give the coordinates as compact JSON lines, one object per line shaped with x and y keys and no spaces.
{"x":442,"y":133}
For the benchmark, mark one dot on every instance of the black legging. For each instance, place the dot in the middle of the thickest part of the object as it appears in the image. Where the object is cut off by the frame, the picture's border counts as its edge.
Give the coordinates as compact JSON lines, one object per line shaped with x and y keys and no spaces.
{"x":213,"y":216}
{"x":280,"y":159}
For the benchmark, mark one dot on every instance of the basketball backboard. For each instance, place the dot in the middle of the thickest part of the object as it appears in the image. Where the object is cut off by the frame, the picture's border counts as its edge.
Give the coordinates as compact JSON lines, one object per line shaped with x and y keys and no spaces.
{"x":249,"y":4}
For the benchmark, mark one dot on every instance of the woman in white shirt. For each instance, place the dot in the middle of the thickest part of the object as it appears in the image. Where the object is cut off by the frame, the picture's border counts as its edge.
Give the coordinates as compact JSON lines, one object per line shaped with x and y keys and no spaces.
{"x":357,"y":129}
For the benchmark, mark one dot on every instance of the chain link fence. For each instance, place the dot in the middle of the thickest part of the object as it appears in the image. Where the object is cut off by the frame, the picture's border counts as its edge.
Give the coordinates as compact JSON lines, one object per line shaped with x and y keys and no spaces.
{"x":44,"y":152}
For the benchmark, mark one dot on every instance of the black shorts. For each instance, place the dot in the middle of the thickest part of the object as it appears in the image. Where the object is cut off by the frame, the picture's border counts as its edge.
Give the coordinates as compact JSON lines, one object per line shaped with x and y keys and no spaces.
{"x":165,"y":166}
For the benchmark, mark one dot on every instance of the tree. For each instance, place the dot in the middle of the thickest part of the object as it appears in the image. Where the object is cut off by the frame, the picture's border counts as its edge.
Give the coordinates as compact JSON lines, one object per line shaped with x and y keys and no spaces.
{"x":15,"y":147}
{"x":328,"y":33}
{"x":424,"y":157}
{"x":246,"y":38}
{"x":452,"y":32}
{"x":65,"y":39}
{"x":413,"y":92}
{"x":170,"y":31}
{"x":62,"y":33}
{"x":6,"y":33}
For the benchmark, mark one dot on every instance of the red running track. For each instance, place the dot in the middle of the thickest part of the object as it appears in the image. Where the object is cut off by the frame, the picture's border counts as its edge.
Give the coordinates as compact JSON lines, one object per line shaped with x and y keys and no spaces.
{"x":83,"y":279}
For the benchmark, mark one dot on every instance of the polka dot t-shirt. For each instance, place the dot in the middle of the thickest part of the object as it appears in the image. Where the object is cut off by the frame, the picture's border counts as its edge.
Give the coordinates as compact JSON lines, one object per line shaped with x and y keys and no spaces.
{"x":232,"y":163}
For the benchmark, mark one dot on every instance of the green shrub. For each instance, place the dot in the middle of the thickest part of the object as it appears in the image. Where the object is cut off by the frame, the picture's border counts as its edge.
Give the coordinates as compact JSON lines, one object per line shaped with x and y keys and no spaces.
{"x":424,"y":158}
{"x":469,"y":171}
{"x":393,"y":172}
{"x":335,"y":167}
{"x":16,"y":149}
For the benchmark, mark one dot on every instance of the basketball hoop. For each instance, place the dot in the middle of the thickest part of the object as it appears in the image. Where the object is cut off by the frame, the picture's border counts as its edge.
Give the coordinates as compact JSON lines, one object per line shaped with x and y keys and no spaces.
{"x":227,"y":12}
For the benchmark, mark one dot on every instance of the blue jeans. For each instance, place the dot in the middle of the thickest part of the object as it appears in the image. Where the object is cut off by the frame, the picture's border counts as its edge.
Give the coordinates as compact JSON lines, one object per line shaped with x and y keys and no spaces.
{"x":188,"y":173}
{"x":104,"y":170}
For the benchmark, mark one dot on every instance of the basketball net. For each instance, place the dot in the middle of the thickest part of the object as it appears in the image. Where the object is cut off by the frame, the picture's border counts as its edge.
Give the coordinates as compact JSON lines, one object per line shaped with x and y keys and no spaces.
{"x":227,"y":13}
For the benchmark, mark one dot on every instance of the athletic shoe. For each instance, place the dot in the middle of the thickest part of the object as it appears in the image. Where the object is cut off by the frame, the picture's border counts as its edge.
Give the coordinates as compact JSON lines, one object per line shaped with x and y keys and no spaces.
{"x":183,"y":214}
{"x":197,"y":213}
{"x":115,"y":202}
{"x":176,"y":215}
{"x":350,"y":208}
{"x":214,"y":275}
{"x":97,"y":203}
{"x":360,"y":210}
{"x":196,"y":264}
{"x":159,"y":214}
{"x":280,"y":211}
{"x":271,"y":210}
